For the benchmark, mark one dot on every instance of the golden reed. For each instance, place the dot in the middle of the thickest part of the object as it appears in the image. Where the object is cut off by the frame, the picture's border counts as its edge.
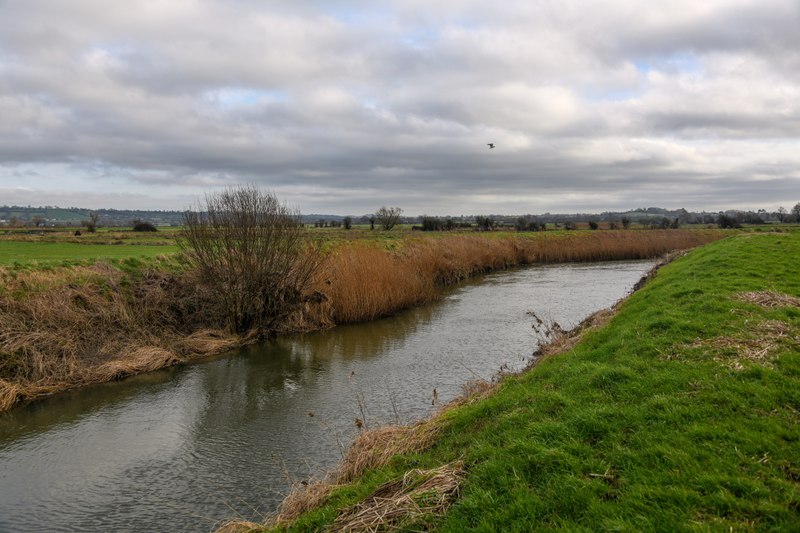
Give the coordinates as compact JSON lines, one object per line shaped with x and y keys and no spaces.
{"x":366,"y":282}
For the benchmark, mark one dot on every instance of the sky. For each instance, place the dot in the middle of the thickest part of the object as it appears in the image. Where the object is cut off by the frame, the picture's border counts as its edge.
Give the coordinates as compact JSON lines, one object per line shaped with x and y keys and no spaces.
{"x":341,"y":107}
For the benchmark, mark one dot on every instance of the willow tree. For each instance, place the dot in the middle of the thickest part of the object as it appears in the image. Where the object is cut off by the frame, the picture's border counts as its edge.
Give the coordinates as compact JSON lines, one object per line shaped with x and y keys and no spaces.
{"x":249,"y":250}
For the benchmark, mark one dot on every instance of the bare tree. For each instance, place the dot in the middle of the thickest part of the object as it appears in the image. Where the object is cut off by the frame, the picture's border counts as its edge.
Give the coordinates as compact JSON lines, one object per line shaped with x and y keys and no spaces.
{"x":250,"y":251}
{"x":91,"y":224}
{"x":388,"y":217}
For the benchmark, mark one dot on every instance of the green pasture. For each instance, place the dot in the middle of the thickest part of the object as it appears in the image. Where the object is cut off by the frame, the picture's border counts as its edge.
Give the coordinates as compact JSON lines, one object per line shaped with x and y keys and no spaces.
{"x":681,"y":414}
{"x":25,"y":252}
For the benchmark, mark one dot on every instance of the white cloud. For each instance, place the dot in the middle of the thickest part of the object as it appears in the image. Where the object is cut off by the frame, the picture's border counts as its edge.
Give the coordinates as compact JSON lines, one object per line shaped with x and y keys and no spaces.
{"x":345,"y":106}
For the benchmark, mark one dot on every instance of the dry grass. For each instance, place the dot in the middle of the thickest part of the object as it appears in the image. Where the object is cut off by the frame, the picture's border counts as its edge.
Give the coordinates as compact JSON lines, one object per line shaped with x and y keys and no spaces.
{"x":769,"y":299}
{"x":78,"y":325}
{"x":365,"y":282}
{"x":375,"y":448}
{"x":371,"y":449}
{"x":758,"y":345}
{"x":554,"y":340}
{"x":238,"y":526}
{"x":404,"y":502}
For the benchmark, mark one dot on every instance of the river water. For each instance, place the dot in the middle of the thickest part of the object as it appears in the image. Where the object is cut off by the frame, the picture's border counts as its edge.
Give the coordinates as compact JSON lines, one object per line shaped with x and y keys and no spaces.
{"x":186,"y":447}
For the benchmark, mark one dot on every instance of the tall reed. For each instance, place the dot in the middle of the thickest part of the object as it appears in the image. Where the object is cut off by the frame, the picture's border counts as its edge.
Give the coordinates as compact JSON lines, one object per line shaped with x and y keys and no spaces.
{"x":366,"y":282}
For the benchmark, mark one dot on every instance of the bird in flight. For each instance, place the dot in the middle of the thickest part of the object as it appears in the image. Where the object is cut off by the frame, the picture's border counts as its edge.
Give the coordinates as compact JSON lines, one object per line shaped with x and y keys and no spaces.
{"x":490,"y":145}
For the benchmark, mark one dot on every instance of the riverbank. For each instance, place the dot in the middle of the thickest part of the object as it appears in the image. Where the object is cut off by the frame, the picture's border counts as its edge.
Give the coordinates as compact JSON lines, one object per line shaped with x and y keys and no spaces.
{"x":69,"y":326}
{"x":679,"y":414}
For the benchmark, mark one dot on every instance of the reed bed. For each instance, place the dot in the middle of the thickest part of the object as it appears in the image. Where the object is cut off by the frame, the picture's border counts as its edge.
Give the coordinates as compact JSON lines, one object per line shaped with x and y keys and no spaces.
{"x":366,"y":282}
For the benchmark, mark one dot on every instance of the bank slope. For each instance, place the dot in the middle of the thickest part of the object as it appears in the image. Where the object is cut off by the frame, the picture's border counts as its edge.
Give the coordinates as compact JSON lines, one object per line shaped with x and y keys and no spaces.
{"x":682,"y":414}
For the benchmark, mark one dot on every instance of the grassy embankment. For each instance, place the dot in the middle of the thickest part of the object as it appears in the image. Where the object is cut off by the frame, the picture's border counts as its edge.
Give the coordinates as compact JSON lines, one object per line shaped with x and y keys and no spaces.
{"x":65,"y":325}
{"x":681,"y":414}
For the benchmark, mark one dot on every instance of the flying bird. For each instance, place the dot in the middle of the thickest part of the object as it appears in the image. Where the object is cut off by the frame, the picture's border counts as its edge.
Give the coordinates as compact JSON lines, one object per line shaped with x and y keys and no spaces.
{"x":490,"y":145}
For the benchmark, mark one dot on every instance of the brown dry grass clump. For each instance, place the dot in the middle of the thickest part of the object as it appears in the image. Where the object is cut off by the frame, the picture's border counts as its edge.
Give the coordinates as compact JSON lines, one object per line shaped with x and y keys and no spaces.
{"x":769,"y":299}
{"x":756,"y":346}
{"x":410,"y":500}
{"x":371,"y":449}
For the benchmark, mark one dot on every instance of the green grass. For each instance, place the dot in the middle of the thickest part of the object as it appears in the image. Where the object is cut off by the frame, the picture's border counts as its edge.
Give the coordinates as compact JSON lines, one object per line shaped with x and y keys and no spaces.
{"x":649,"y":424}
{"x":21,"y":252}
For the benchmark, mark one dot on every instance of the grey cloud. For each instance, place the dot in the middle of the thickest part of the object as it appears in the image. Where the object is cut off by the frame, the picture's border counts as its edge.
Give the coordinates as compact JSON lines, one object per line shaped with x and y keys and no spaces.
{"x":356,"y":102}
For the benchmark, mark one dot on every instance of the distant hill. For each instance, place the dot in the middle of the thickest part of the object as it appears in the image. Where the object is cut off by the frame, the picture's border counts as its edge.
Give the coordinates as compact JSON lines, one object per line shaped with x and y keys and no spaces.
{"x":73,"y":216}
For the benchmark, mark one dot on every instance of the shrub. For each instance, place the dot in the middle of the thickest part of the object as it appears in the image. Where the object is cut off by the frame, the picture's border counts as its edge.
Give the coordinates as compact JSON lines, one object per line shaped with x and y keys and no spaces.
{"x":138,"y":225}
{"x":726,"y":222}
{"x":249,"y":252}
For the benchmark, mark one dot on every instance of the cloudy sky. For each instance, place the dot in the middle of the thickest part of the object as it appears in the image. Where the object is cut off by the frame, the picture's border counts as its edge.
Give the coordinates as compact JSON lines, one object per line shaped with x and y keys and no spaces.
{"x":343,"y":106}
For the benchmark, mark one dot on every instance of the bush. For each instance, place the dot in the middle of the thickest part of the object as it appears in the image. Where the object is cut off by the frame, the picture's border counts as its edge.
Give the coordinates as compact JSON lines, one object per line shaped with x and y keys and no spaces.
{"x":143,"y":226}
{"x":249,"y":252}
{"x":727,"y":222}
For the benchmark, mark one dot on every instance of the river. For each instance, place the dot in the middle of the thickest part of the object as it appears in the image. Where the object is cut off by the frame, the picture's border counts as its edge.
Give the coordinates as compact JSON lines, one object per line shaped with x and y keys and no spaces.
{"x":184,"y":448}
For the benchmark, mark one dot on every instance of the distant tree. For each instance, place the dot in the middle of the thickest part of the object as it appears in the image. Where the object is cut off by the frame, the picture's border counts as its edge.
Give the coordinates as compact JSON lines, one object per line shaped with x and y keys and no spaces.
{"x":388,"y":217}
{"x":796,"y":212}
{"x":140,"y":225}
{"x":372,"y":222}
{"x":38,"y":220}
{"x":781,"y":214}
{"x":675,"y":224}
{"x":727,"y":222}
{"x":348,"y":222}
{"x":91,"y":224}
{"x":485,"y":223}
{"x":593,"y":224}
{"x":626,"y":222}
{"x":431,"y":223}
{"x":612,"y":225}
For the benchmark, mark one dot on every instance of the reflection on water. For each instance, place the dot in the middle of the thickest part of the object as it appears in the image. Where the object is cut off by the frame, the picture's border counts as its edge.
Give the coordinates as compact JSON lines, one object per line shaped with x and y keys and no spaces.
{"x":179,"y":449}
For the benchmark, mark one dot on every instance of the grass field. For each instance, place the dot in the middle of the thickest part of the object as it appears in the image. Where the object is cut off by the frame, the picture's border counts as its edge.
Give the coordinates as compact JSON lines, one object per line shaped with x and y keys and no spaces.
{"x":23,"y":252}
{"x":60,"y":246}
{"x":681,"y":414}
